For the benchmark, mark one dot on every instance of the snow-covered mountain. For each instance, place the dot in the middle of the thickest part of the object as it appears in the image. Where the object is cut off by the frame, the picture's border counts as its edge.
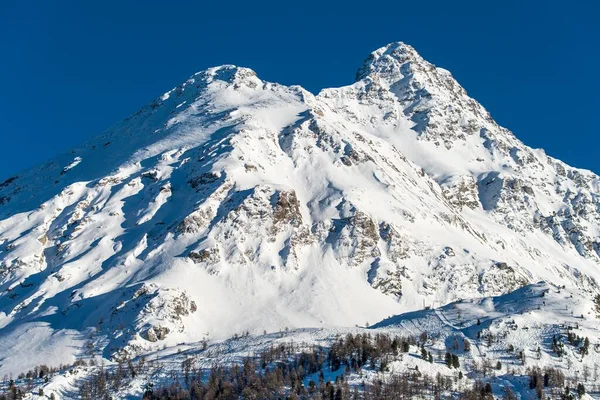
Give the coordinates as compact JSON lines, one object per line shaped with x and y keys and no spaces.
{"x":231,"y":204}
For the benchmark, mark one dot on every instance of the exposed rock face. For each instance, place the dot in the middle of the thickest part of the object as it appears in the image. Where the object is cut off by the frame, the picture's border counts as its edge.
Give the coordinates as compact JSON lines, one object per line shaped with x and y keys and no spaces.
{"x":287,"y":209}
{"x":232,"y":204}
{"x":210,"y":256}
{"x":355,"y":238}
{"x":397,"y":247}
{"x":462,"y":192}
{"x":390,"y":284}
{"x":156,"y":333}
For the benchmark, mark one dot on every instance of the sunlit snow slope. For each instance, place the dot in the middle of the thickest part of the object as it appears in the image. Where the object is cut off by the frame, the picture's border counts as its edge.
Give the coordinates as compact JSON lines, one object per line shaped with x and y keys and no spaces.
{"x":232,"y":204}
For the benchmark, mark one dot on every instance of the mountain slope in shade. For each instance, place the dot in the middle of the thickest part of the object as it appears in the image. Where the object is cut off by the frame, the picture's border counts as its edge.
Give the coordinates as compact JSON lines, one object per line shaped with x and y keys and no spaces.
{"x":231,"y":204}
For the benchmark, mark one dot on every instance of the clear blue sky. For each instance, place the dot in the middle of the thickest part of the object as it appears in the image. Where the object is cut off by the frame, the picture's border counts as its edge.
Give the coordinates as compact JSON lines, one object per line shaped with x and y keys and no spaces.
{"x":70,"y":69}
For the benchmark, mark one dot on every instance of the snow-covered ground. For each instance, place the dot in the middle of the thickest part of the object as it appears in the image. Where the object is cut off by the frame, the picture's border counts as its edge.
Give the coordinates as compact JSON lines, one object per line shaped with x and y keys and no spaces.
{"x":524,"y":321}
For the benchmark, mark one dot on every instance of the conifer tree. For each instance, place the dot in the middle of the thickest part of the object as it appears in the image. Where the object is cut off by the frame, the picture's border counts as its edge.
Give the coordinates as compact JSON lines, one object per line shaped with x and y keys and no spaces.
{"x":455,"y":362}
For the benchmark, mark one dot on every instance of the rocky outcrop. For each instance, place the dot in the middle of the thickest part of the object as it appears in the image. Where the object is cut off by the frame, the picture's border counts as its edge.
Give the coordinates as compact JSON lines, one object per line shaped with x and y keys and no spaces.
{"x":354,"y":238}
{"x":461,"y":191}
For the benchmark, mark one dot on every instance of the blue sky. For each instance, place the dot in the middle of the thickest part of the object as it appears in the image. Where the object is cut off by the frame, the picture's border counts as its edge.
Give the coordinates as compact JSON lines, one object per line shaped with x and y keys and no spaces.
{"x":70,"y":69}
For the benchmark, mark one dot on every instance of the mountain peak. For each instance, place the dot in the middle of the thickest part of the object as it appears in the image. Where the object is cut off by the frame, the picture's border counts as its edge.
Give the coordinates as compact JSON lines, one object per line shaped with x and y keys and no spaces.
{"x":228,"y":73}
{"x":388,"y":59}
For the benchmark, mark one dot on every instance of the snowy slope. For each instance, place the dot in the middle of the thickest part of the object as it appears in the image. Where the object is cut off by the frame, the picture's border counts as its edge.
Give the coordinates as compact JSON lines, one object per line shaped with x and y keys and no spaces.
{"x":231,"y":204}
{"x":527,"y":319}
